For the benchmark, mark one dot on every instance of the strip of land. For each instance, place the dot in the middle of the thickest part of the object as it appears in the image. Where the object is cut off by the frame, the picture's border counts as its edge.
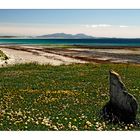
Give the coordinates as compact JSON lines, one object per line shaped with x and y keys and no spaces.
{"x":29,"y":54}
{"x":68,"y":55}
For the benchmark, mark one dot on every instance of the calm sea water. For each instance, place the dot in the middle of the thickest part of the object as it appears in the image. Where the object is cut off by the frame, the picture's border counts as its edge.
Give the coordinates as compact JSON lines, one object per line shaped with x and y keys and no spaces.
{"x":83,"y":42}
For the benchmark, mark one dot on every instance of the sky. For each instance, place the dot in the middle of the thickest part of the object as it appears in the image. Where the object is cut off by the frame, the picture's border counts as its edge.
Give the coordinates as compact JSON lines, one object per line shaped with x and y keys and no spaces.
{"x":98,"y":23}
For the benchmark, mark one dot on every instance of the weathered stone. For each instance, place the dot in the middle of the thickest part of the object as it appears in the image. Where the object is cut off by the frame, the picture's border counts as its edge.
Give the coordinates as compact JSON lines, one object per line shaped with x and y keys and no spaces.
{"x":122,"y":105}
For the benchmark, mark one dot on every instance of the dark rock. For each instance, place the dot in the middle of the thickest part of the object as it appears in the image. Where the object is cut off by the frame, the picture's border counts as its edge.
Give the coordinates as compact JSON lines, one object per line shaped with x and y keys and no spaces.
{"x":122,"y":106}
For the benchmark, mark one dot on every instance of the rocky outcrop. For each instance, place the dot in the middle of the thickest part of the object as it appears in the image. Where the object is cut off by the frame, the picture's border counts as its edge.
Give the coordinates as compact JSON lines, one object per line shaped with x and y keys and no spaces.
{"x":122,"y":106}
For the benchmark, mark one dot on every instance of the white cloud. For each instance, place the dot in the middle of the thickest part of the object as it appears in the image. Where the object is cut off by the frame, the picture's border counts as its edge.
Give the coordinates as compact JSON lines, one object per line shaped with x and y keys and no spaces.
{"x":97,"y":25}
{"x":123,"y":26}
{"x":87,"y":26}
{"x":100,"y":25}
{"x":103,"y":26}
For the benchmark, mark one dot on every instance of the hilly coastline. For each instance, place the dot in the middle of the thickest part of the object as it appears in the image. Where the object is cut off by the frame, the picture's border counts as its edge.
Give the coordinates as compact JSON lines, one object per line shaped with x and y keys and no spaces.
{"x":65,"y":36}
{"x":54,"y":36}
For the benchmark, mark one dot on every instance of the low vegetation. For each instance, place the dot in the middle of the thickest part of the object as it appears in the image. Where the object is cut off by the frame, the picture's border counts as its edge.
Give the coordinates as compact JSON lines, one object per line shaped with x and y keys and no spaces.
{"x":44,"y":97}
{"x":3,"y":56}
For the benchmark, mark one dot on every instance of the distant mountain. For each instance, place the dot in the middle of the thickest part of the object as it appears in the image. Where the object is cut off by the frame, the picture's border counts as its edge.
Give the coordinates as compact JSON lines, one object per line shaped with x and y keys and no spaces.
{"x":59,"y":36}
{"x":15,"y":37}
{"x":65,"y":36}
{"x":7,"y":36}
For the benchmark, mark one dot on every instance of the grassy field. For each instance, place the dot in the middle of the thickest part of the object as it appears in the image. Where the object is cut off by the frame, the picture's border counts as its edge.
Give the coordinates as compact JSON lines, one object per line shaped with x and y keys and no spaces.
{"x":39,"y":97}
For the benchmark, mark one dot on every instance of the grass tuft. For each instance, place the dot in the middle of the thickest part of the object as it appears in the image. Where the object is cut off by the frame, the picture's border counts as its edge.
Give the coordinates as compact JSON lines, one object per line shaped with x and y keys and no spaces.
{"x":3,"y":56}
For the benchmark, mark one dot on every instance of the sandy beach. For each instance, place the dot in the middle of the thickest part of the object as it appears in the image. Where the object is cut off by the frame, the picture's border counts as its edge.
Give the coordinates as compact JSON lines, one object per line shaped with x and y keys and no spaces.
{"x":59,"y":56}
{"x":29,"y":54}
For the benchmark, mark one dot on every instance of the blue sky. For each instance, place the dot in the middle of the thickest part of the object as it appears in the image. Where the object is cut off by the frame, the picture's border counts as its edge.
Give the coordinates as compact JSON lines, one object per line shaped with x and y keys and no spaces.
{"x":111,"y":23}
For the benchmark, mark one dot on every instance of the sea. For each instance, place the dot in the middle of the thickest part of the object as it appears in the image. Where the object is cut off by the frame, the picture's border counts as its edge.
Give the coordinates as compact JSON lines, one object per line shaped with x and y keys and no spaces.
{"x":97,"y":42}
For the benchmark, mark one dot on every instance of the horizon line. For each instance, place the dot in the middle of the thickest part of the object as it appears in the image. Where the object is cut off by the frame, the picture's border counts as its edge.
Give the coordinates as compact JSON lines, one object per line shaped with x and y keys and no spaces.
{"x":12,"y":36}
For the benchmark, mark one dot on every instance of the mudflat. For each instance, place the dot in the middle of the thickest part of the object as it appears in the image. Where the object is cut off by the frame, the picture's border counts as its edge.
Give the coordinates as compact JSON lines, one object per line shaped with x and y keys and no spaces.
{"x":67,"y":55}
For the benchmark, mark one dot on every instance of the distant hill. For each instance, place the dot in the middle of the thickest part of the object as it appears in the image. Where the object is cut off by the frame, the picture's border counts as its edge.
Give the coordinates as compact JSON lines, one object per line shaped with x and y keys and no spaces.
{"x":7,"y":36}
{"x":59,"y":36}
{"x":15,"y":37}
{"x":65,"y":36}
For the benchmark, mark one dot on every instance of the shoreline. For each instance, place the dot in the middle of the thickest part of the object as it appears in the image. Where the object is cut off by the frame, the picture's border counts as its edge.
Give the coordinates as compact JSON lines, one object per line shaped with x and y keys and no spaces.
{"x":55,"y":55}
{"x":73,"y":46}
{"x":30,"y":54}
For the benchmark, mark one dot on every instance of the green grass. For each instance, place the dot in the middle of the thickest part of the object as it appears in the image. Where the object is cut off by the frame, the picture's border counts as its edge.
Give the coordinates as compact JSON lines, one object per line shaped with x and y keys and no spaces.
{"x":3,"y":56}
{"x":39,"y":97}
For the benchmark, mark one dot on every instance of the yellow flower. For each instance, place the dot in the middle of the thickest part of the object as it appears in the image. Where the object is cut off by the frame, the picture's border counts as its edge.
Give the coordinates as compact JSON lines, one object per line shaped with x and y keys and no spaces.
{"x":99,"y":128}
{"x":57,"y":118}
{"x":66,"y":119}
{"x":75,"y":120}
{"x":88,"y":123}
{"x":19,"y":113}
{"x":126,"y":127}
{"x":54,"y":127}
{"x":74,"y":127}
{"x":37,"y":122}
{"x":131,"y":125}
{"x":69,"y":125}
